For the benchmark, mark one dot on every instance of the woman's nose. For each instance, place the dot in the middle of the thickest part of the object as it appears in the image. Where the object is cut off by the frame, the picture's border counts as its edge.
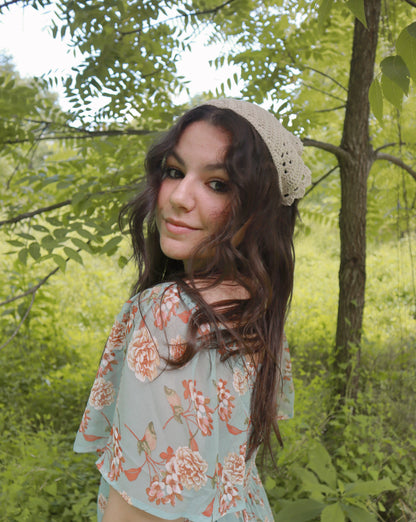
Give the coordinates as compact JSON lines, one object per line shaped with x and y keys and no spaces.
{"x":183,"y":194}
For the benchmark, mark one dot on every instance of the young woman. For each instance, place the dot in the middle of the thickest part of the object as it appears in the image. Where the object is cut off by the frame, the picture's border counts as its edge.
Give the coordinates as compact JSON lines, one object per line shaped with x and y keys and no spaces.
{"x":196,"y":369}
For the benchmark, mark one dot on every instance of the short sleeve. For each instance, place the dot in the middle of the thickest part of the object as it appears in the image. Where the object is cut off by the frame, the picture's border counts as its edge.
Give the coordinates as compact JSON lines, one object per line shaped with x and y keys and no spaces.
{"x":172,"y":442}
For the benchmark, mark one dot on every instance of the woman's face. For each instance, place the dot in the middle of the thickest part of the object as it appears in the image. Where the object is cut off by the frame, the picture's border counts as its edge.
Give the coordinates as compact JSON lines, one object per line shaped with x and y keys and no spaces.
{"x":194,"y":196}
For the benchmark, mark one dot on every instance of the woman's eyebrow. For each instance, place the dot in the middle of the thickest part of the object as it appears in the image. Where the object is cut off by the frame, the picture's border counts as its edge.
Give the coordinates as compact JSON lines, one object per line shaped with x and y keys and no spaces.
{"x":210,"y":166}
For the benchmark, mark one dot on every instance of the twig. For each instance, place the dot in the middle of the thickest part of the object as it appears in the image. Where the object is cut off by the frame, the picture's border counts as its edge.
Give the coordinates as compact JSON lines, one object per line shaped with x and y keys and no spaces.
{"x":413,"y":4}
{"x":323,"y":92}
{"x":315,"y":183}
{"x":387,"y":145}
{"x":20,"y":324}
{"x":326,"y":76}
{"x":396,"y":161}
{"x":332,"y":109}
{"x":32,"y":290}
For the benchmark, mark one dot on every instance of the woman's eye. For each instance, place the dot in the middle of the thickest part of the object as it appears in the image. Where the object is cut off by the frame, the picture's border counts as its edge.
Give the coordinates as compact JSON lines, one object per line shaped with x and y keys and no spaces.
{"x":219,"y":186}
{"x":172,"y":173}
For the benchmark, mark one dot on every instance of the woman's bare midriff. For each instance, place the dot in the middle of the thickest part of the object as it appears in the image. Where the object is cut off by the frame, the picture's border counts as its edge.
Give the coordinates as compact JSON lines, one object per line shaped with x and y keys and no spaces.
{"x":118,"y":510}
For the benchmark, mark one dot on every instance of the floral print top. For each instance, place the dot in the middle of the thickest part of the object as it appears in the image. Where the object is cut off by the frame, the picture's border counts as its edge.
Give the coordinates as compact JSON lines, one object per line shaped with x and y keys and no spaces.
{"x":173,"y":442}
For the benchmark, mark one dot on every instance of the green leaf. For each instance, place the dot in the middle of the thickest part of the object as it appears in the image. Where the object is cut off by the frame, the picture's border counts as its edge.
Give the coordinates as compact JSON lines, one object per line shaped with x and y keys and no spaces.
{"x":49,"y":242}
{"x":391,"y":92}
{"x":34,"y":251}
{"x":300,"y":511}
{"x":323,"y":12}
{"x":320,"y":463}
{"x":311,"y":483}
{"x":26,"y":236}
{"x":376,"y":99}
{"x":394,"y":68}
{"x":406,"y":48}
{"x":73,"y":254}
{"x":110,"y":247}
{"x":357,"y":514}
{"x":22,"y":255}
{"x":122,"y":261}
{"x":60,"y":261}
{"x":40,"y":228}
{"x":357,"y":9}
{"x":86,"y":233}
{"x":15,"y":243}
{"x":79,"y":197}
{"x":368,"y":488}
{"x":81,"y":244}
{"x":333,"y":513}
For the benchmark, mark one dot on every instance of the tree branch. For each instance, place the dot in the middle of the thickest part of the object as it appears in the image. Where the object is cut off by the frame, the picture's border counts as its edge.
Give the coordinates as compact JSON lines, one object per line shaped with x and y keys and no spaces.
{"x":214,"y":11}
{"x":326,"y":76}
{"x":413,"y":4}
{"x":89,"y":134}
{"x":397,"y":161}
{"x":332,"y":109}
{"x":32,"y":290}
{"x":387,"y":145}
{"x":323,"y":92}
{"x":27,"y":215}
{"x":328,"y":147}
{"x":316,"y":183}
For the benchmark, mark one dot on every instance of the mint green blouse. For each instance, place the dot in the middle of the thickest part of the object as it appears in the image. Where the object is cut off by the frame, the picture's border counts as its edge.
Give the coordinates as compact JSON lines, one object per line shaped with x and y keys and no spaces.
{"x":173,"y":442}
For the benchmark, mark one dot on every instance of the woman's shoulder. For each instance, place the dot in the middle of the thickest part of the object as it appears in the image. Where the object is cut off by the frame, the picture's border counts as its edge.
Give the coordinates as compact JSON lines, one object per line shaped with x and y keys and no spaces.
{"x":168,"y":302}
{"x":170,"y":292}
{"x":158,"y":305}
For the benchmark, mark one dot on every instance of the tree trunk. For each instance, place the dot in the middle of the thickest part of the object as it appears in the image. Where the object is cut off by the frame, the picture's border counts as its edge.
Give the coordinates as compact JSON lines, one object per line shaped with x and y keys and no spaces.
{"x":354,"y":169}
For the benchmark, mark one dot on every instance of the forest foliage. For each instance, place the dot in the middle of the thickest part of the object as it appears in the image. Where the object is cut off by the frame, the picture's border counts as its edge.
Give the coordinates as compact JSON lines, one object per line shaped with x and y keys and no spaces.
{"x":64,"y":262}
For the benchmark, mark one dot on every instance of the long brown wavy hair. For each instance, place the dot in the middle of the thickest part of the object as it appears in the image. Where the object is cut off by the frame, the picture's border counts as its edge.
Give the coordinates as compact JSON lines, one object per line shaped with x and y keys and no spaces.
{"x":262,"y":262}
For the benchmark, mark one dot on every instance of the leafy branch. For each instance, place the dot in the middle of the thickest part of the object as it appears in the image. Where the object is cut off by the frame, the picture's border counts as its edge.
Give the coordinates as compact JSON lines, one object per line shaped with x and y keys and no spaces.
{"x":212,"y":11}
{"x":27,"y":215}
{"x":88,"y":134}
{"x":32,"y":291}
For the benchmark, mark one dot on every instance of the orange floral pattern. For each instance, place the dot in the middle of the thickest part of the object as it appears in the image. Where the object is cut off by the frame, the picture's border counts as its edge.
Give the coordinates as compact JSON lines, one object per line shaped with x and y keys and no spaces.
{"x":102,"y":393}
{"x":177,"y":347}
{"x":142,"y":356}
{"x":174,"y":441}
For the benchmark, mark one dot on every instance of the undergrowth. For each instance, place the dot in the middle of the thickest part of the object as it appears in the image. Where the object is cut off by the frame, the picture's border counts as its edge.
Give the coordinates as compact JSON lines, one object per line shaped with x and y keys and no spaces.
{"x":366,"y":470}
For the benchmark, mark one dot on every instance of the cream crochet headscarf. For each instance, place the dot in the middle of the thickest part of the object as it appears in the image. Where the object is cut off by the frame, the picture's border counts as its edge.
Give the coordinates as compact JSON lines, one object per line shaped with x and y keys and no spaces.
{"x":285,"y":148}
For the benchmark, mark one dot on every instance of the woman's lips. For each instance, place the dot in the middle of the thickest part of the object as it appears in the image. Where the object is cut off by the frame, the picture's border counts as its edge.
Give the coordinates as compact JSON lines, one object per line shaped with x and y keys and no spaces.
{"x":178,"y":227}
